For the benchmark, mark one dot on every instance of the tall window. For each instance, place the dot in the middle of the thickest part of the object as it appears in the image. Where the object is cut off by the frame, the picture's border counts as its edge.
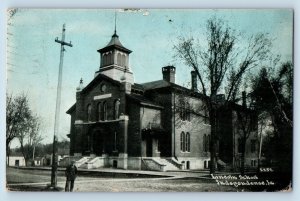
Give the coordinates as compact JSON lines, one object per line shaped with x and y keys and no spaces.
{"x":119,"y":59}
{"x":89,"y":112}
{"x":182,"y":141}
{"x":188,"y":142}
{"x":99,"y":111}
{"x":123,"y":60}
{"x":185,"y":142}
{"x":111,"y":58}
{"x":105,"y":110}
{"x":107,"y":58}
{"x":185,"y":111}
{"x":116,"y":109}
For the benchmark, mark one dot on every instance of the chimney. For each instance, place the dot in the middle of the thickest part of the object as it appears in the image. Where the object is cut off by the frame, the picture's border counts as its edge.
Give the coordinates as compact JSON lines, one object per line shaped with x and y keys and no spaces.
{"x":194,"y":81}
{"x":244,"y":99}
{"x":169,"y":73}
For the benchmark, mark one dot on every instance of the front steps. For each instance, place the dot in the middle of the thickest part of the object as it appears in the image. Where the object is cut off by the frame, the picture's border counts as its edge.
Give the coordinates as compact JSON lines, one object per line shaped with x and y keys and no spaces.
{"x":160,"y":164}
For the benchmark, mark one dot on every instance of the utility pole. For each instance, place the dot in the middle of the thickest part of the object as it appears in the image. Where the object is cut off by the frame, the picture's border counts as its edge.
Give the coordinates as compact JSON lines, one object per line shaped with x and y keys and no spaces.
{"x":57,"y":109}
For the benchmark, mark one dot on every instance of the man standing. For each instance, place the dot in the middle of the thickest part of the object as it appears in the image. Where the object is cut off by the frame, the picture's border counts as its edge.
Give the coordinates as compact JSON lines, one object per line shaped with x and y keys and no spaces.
{"x":71,"y":173}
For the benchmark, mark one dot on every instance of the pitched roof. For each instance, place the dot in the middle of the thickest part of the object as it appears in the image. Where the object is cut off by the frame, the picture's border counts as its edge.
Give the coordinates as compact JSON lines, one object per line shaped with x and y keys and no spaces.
{"x":155,"y":84}
{"x":71,"y":109}
{"x":97,"y":78}
{"x":114,"y":43}
{"x":143,"y":100}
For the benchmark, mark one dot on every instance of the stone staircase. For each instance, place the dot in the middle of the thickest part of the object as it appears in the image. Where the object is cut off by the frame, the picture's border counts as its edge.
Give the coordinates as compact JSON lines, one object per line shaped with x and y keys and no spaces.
{"x":160,"y":164}
{"x":93,"y":162}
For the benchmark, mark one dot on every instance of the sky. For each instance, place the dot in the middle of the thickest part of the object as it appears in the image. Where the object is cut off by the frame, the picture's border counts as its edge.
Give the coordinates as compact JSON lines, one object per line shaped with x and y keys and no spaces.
{"x":33,"y":55}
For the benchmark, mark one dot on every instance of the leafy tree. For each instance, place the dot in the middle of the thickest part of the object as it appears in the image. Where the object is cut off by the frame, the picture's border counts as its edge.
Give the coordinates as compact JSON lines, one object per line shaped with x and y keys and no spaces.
{"x":272,"y":94}
{"x":220,"y":58}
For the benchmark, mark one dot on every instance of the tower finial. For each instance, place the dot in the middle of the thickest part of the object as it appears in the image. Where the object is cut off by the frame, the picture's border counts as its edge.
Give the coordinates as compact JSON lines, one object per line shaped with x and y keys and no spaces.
{"x":115,"y":22}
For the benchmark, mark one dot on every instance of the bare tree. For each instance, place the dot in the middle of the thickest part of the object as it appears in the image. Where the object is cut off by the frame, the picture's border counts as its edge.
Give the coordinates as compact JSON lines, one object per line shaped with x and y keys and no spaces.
{"x":247,"y":123}
{"x":220,"y":58}
{"x":17,"y":116}
{"x":29,"y":138}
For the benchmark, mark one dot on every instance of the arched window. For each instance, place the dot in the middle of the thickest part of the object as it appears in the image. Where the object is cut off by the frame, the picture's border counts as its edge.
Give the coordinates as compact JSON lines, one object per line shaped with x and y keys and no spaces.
{"x":119,"y":58}
{"x":109,"y":58}
{"x":185,"y":111}
{"x":104,"y":110}
{"x":116,"y":109}
{"x":188,"y":142}
{"x":182,"y":141}
{"x":89,"y":112}
{"x":105,"y":59}
{"x":99,"y":111}
{"x":123,"y":60}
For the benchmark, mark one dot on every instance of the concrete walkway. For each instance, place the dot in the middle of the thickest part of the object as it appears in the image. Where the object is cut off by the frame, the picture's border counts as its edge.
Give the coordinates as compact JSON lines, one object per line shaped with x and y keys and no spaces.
{"x":106,"y":172}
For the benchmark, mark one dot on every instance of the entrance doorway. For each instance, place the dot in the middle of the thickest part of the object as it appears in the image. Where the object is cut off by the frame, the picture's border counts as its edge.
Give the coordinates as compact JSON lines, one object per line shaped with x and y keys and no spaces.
{"x":188,"y":165}
{"x":98,"y":143}
{"x":17,"y":163}
{"x":149,"y":147}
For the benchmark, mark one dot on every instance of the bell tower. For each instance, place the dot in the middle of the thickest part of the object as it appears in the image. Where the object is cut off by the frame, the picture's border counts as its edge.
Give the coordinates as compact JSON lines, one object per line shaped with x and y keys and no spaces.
{"x":114,"y":60}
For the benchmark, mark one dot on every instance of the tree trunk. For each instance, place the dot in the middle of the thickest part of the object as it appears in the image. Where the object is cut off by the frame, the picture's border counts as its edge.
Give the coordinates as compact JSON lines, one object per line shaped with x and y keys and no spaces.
{"x":213,"y":135}
{"x":7,"y":153}
{"x":243,"y":157}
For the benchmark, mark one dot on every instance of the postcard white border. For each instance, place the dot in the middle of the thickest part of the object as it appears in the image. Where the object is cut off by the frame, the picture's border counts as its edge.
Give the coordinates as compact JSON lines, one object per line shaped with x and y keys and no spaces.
{"x":295,"y":4}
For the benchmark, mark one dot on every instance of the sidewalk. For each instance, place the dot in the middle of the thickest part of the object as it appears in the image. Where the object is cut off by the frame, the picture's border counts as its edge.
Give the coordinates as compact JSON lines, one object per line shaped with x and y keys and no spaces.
{"x":121,"y":173}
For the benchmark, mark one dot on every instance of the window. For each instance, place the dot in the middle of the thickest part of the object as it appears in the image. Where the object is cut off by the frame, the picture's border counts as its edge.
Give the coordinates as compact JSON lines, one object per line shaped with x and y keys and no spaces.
{"x":253,"y":146}
{"x":116,"y":109}
{"x":182,"y":141}
{"x":184,"y":111}
{"x":188,"y":165}
{"x":104,"y":111}
{"x":99,"y":111}
{"x":104,"y":59}
{"x":119,"y":59}
{"x":123,"y":60}
{"x":185,"y":142}
{"x":89,"y":112}
{"x":107,"y":58}
{"x":188,"y":142}
{"x":103,"y":88}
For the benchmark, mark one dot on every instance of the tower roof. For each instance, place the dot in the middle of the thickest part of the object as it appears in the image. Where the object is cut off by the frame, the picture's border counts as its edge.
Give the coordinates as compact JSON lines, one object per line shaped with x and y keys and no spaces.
{"x":114,"y":44}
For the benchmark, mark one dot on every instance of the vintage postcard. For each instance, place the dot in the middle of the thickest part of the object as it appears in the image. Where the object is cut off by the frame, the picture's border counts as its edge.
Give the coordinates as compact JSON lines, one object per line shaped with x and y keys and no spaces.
{"x":149,"y":100}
